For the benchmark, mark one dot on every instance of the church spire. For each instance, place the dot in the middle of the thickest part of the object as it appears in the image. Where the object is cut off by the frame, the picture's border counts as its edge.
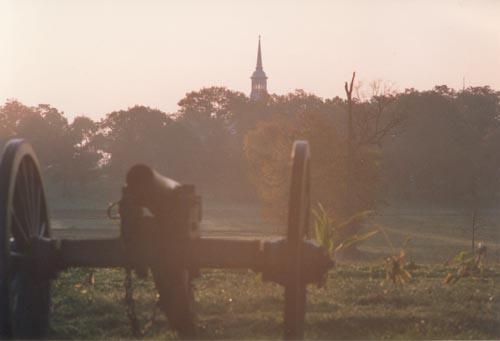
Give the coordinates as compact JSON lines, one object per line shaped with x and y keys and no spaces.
{"x":259,"y":58}
{"x":259,"y":79}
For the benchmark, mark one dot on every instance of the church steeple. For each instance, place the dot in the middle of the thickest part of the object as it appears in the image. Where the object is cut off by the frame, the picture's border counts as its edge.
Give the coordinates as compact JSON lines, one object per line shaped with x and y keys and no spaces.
{"x":259,"y":79}
{"x":259,"y":58}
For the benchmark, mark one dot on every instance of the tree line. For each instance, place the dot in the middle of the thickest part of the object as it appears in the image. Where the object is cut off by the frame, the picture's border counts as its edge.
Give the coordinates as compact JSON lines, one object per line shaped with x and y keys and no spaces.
{"x":439,"y":145}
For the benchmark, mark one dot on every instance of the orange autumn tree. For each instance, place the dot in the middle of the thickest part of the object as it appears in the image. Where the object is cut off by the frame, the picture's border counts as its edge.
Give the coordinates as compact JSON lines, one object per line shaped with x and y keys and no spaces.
{"x":268,"y":148}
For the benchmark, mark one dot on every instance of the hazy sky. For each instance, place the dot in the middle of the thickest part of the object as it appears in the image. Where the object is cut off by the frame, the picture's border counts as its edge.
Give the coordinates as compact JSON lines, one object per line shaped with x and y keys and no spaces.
{"x":92,"y":57}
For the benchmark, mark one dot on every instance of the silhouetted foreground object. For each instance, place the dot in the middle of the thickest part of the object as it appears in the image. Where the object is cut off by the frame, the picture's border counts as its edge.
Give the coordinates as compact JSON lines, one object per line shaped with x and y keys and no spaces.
{"x":24,"y":287}
{"x":159,"y":233}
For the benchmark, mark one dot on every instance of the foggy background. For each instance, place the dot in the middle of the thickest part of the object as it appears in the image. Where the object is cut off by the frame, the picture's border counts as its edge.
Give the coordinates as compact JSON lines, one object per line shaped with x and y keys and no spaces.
{"x":93,"y":57}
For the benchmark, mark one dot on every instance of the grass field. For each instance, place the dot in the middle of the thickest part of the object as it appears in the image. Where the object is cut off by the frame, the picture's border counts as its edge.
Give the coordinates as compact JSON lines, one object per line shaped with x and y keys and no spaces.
{"x":355,"y":303}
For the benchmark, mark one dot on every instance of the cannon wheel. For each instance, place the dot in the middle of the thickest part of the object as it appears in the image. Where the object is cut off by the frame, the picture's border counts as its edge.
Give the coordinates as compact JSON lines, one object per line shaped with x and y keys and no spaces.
{"x":298,"y":221}
{"x":24,"y":295}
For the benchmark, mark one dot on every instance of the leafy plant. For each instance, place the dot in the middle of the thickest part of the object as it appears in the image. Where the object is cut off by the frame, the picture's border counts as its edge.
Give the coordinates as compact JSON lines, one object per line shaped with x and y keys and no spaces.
{"x":338,"y":235}
{"x":324,"y":228}
{"x":467,"y":265}
{"x":395,"y":269}
{"x":356,"y":239}
{"x":395,"y":265}
{"x":331,"y":234}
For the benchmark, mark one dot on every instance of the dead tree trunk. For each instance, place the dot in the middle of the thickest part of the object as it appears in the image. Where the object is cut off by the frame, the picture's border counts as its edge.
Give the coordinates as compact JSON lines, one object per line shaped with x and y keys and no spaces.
{"x":350,"y":148}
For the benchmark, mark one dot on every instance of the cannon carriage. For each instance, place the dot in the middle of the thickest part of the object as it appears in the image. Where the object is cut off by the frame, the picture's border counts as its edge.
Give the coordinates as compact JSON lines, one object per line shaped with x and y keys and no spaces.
{"x":159,"y":225}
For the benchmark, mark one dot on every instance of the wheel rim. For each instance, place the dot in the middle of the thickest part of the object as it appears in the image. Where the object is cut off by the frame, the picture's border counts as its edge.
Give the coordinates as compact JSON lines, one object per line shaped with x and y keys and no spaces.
{"x":298,"y":222}
{"x":23,"y":217}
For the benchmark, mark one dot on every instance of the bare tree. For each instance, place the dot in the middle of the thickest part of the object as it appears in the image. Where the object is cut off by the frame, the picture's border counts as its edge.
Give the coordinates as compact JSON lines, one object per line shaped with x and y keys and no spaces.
{"x":368,"y":124}
{"x":375,"y":121}
{"x":350,"y":144}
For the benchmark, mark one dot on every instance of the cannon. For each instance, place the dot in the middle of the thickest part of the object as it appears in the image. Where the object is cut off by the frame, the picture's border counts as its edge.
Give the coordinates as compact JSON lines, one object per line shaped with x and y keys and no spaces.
{"x":159,"y":233}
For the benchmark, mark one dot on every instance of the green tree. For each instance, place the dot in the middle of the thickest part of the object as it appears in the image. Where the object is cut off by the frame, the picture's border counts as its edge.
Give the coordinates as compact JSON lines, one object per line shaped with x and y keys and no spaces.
{"x":136,"y":135}
{"x":217,"y":118}
{"x":10,"y":115}
{"x":84,"y":166}
{"x":63,"y":149}
{"x":445,"y":149}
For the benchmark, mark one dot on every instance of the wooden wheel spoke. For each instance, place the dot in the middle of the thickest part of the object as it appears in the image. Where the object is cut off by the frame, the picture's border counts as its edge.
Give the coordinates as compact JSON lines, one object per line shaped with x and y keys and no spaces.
{"x":43,"y":228}
{"x":19,"y":208}
{"x":35,"y":201}
{"x":20,"y":228}
{"x":27,"y":199}
{"x":38,"y":203}
{"x":30,"y":194}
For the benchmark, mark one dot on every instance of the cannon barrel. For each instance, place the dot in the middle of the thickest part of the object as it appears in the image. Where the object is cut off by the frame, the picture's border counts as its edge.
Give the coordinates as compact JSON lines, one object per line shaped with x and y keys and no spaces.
{"x":149,"y":188}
